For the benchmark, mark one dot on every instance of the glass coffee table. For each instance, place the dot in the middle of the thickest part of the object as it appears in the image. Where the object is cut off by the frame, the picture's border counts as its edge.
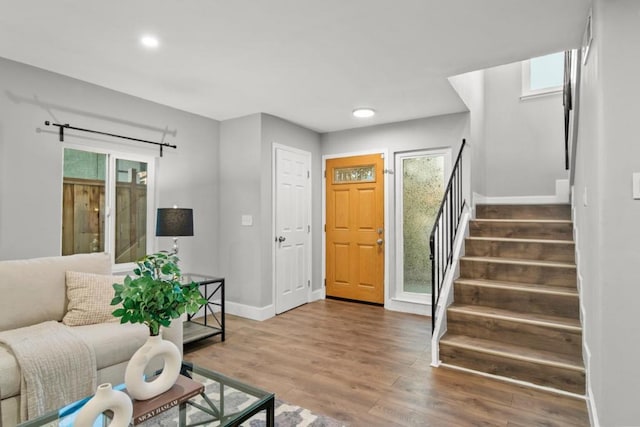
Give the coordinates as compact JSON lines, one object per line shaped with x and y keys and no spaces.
{"x":224,"y":402}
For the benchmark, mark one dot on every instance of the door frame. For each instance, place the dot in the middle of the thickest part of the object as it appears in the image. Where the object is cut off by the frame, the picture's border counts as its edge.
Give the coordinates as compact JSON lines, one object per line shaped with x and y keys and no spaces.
{"x":274,"y":147}
{"x":385,"y":154}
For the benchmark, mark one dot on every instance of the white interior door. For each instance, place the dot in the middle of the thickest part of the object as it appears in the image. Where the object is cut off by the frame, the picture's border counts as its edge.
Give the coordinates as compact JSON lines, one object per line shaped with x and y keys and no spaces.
{"x":292,"y":228}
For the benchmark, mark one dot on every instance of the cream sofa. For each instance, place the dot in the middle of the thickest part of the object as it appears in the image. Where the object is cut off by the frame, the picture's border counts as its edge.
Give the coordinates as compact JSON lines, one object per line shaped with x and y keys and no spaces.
{"x":33,"y":291}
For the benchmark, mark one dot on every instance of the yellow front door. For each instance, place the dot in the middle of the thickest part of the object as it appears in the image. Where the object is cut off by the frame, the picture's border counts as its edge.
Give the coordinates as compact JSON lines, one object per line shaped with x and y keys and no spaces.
{"x":355,"y":228}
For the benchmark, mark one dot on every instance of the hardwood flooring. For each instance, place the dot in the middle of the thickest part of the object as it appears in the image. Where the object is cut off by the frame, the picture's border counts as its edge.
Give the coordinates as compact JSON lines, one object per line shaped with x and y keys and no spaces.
{"x":367,"y":366}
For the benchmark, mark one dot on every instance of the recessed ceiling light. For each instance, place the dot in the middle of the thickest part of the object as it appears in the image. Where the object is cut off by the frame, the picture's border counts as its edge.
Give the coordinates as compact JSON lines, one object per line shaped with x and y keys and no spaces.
{"x":150,"y":41}
{"x":364,"y":112}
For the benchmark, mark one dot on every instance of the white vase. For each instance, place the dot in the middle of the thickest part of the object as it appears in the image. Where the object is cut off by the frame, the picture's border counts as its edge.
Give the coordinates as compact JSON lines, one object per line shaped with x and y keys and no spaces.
{"x":106,"y":398}
{"x":155,"y":346}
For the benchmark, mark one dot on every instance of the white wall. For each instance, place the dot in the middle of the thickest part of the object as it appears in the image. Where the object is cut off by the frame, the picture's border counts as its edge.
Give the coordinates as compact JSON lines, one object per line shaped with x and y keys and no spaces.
{"x":420,"y":134}
{"x":31,"y":159}
{"x":524,"y":139}
{"x":471,"y":89}
{"x":608,"y":232}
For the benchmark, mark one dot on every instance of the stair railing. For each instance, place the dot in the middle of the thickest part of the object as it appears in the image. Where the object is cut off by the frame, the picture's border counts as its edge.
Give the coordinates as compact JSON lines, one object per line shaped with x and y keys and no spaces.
{"x":444,"y":232}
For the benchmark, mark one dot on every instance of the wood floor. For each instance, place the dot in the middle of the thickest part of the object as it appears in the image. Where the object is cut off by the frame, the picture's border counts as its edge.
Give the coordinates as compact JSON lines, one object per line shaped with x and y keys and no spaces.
{"x":367,"y":366}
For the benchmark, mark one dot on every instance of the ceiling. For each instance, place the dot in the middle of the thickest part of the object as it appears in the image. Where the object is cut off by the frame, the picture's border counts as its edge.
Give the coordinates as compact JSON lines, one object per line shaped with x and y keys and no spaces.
{"x":308,"y":61}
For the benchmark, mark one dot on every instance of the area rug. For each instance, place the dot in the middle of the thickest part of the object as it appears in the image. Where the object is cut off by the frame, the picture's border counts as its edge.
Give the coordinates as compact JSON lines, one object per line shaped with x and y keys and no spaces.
{"x":288,"y":415}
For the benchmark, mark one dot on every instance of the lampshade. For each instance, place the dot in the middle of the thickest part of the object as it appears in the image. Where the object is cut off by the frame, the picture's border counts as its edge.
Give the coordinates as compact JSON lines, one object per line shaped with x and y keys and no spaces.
{"x":174,"y":222}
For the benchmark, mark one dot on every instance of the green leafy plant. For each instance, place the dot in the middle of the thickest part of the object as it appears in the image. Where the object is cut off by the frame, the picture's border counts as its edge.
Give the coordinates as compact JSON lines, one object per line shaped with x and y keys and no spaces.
{"x":156,"y":295}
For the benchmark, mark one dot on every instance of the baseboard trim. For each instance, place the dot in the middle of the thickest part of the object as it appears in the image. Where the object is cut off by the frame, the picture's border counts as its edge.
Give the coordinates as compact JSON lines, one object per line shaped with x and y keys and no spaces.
{"x":586,"y":351}
{"x":591,"y":403}
{"x":408,"y":307}
{"x":250,"y":311}
{"x":562,"y":196}
{"x":318,"y":294}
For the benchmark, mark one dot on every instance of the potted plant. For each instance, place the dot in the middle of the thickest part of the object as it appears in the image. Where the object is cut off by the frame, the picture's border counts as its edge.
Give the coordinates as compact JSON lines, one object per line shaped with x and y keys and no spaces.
{"x":156,"y":296}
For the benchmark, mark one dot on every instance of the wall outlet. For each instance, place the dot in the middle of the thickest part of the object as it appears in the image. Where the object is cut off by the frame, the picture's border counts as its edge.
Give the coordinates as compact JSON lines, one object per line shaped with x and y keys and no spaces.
{"x":636,"y":185}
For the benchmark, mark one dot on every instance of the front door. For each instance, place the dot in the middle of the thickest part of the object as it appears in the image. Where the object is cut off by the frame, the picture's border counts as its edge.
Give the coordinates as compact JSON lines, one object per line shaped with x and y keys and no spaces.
{"x":292,"y":232}
{"x":355,"y":228}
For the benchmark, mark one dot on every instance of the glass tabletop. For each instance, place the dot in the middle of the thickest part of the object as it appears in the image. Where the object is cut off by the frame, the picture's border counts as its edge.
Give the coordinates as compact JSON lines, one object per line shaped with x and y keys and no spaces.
{"x":224,"y":402}
{"x":199,"y":278}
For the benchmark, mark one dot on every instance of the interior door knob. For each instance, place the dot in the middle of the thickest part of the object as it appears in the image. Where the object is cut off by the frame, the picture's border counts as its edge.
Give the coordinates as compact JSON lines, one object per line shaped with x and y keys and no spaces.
{"x":281,"y":239}
{"x":379,"y":241}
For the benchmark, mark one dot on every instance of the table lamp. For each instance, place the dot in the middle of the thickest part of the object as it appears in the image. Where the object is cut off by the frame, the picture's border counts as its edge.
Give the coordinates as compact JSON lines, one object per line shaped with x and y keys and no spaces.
{"x":174,"y":222}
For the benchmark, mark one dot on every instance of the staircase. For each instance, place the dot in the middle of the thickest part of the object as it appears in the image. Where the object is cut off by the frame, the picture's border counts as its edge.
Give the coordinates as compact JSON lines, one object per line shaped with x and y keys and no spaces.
{"x":516,"y":309}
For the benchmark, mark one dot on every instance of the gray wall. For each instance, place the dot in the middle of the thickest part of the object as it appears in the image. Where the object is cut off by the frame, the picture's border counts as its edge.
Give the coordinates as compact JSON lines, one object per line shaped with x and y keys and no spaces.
{"x":434,"y":132}
{"x":246,"y":189}
{"x":277,"y":130}
{"x":241,"y":246}
{"x":31,"y":159}
{"x":524,"y":139}
{"x":607,"y":226}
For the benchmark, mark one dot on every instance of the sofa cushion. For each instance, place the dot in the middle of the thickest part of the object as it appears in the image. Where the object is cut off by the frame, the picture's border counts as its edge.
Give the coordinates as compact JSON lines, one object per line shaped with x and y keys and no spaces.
{"x":113,"y":342}
{"x":33,"y":290}
{"x":89,"y":298}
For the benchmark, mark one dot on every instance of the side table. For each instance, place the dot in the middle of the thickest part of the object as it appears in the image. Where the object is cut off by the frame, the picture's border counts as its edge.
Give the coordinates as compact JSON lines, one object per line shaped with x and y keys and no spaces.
{"x":212,"y":289}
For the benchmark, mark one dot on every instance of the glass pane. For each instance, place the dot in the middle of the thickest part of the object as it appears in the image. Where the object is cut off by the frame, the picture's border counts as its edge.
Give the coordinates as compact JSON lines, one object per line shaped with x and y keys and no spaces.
{"x":83,"y":198}
{"x":422,"y":191}
{"x":131,"y":211}
{"x":354,"y":174}
{"x":547,"y":71}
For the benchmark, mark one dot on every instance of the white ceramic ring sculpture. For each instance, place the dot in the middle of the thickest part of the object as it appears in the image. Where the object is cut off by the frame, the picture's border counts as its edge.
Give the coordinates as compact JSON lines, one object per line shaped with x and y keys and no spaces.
{"x":106,"y":398}
{"x":155,"y":346}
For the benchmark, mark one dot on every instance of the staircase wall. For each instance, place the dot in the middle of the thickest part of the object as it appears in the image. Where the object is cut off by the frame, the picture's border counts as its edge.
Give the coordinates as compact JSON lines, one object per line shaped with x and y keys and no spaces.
{"x":524,"y":154}
{"x":606,"y":215}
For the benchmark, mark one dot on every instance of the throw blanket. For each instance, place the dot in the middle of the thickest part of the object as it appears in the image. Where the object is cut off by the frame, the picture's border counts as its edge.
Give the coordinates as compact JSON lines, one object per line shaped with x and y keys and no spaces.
{"x":57,"y":367}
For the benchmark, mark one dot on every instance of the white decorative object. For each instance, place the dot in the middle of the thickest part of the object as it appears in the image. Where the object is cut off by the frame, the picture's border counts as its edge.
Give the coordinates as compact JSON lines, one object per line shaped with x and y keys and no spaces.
{"x":155,"y":346}
{"x":106,"y":398}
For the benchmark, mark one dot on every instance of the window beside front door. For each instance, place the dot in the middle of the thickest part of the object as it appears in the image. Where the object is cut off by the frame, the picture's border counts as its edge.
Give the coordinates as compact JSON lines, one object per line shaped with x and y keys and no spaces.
{"x":419,"y":191}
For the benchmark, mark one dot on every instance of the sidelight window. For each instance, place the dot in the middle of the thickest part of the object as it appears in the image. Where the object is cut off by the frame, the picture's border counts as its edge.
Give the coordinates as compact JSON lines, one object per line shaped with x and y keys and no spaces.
{"x":419,"y":192}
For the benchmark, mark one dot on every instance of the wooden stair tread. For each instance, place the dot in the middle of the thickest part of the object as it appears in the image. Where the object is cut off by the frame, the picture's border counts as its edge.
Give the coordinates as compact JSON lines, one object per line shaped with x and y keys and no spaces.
{"x":545,"y":320}
{"x":519,"y":240}
{"x":516,"y":308}
{"x":515,"y":352}
{"x":523,"y":221}
{"x":525,"y":287}
{"x":500,"y":260}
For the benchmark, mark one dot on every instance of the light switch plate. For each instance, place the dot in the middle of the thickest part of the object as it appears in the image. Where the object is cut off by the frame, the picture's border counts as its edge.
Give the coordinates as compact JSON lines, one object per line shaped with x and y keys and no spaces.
{"x":247,"y":220}
{"x":585,"y":202}
{"x":636,"y":185}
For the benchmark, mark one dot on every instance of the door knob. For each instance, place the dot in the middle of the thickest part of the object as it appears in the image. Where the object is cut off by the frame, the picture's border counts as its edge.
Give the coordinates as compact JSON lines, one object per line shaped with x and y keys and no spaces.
{"x":281,"y":239}
{"x":379,"y":241}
